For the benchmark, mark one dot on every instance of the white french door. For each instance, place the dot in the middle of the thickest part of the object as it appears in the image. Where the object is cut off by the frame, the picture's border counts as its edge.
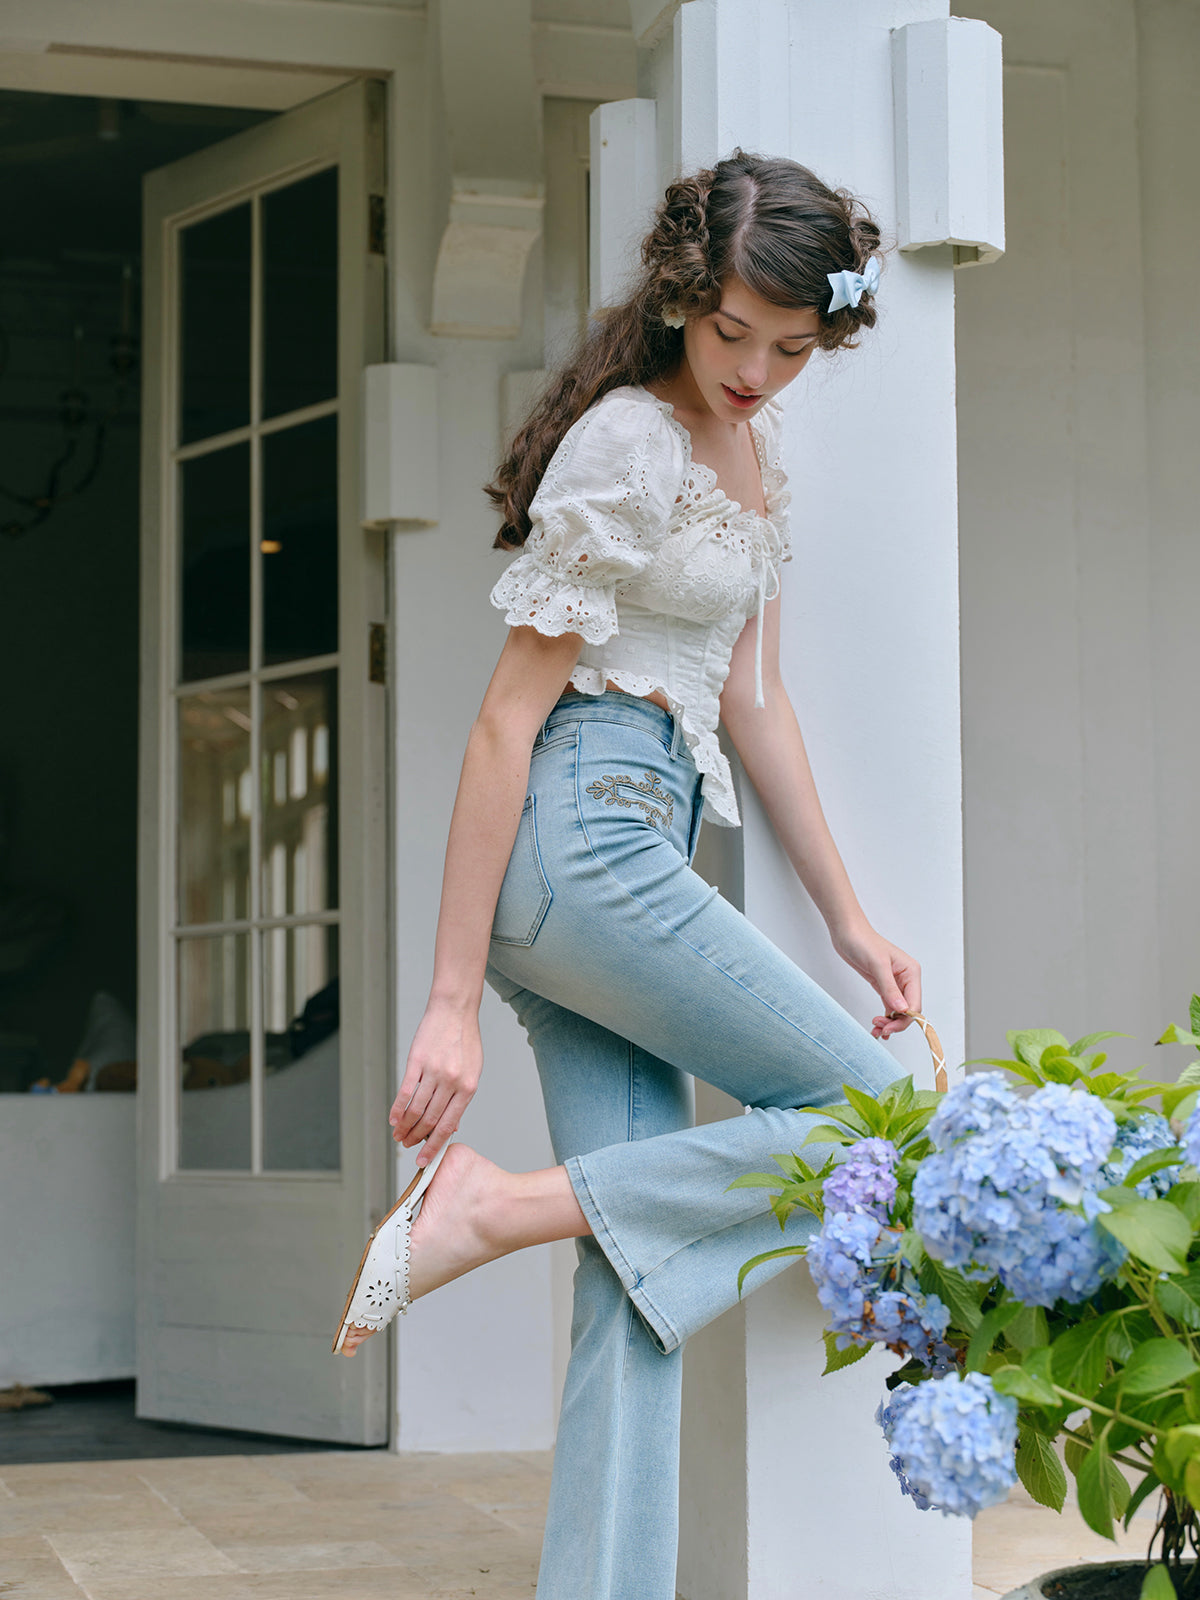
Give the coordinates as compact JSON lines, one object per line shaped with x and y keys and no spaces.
{"x":263,"y":1013}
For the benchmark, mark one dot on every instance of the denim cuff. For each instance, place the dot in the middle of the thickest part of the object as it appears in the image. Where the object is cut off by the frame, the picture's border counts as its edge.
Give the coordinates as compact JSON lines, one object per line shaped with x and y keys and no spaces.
{"x":662,"y":1331}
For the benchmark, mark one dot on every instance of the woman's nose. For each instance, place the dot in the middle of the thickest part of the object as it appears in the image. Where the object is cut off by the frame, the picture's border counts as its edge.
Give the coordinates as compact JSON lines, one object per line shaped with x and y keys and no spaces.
{"x":752,"y":373}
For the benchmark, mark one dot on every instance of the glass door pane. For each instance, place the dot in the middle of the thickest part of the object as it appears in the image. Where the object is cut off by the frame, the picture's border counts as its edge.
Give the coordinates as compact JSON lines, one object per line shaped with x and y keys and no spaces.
{"x":215,"y":574}
{"x":215,"y":806}
{"x":302,"y":1091}
{"x":299,"y":795}
{"x":214,"y":318}
{"x":300,"y":282}
{"x":259,"y":1084}
{"x":300,"y":541}
{"x":214,"y":1054}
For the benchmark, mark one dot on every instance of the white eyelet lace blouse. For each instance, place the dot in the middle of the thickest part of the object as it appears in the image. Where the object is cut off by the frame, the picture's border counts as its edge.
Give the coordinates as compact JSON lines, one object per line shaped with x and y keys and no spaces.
{"x":634,"y":547}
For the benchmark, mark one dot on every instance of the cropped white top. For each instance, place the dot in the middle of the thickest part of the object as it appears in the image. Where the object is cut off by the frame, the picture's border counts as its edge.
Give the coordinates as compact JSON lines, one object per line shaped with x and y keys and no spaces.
{"x":634,"y":547}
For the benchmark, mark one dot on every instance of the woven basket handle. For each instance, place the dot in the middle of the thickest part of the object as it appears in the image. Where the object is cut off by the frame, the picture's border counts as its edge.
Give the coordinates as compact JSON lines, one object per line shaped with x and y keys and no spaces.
{"x":940,"y":1081}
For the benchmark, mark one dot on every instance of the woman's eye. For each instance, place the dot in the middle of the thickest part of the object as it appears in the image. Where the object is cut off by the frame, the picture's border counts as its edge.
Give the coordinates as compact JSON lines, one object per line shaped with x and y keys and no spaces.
{"x":726,"y":338}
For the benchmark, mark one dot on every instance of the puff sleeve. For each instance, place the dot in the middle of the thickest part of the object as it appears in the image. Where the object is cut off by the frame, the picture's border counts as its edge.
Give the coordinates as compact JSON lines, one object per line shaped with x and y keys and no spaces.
{"x":599,"y":515}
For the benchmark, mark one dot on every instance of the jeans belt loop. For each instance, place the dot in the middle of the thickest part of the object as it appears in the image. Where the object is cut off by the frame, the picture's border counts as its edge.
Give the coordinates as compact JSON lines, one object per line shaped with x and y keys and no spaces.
{"x":676,"y":736}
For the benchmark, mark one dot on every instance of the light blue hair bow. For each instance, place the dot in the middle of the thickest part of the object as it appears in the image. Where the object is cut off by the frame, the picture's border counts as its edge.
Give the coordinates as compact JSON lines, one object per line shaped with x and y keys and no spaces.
{"x":848,"y":286}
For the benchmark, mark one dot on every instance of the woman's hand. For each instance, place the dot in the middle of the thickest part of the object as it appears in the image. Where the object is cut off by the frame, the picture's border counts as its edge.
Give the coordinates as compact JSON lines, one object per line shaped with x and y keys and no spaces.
{"x":895,"y":976}
{"x":441,"y":1077}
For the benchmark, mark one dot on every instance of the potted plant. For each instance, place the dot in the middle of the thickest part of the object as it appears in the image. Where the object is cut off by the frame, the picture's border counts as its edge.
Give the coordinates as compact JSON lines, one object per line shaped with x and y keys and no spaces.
{"x":1034,"y":1257}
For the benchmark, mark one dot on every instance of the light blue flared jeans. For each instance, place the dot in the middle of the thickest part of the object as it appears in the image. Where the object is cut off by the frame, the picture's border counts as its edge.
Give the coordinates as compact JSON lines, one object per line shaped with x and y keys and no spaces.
{"x":628,"y":972}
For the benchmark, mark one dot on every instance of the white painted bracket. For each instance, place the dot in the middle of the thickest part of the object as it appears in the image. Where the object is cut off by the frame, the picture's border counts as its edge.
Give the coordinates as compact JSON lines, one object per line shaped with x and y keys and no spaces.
{"x":400,"y":446}
{"x":947,"y":81}
{"x":651,"y":19}
{"x":624,"y":189}
{"x":481,"y":261}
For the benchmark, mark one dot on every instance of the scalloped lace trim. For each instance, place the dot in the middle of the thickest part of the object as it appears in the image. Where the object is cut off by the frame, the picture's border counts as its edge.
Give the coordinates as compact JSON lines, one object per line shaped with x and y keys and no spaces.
{"x":536,"y":596}
{"x":720,"y":800}
{"x":777,"y":496}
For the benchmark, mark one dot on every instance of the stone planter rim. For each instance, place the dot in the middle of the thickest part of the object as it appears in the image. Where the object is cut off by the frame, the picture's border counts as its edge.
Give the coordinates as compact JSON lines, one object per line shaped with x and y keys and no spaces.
{"x":1035,"y":1590}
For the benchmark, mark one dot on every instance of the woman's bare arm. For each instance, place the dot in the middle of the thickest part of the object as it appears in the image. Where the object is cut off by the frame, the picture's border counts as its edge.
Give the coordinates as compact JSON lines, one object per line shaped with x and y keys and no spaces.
{"x":446,"y":1057}
{"x":771,"y":748}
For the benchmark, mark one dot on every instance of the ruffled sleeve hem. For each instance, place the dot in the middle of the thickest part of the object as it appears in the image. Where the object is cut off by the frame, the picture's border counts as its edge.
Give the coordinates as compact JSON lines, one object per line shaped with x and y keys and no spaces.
{"x":532,"y":596}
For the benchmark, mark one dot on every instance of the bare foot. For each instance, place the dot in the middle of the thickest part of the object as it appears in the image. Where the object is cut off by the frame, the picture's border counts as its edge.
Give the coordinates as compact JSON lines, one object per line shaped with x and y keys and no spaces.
{"x":456,"y":1227}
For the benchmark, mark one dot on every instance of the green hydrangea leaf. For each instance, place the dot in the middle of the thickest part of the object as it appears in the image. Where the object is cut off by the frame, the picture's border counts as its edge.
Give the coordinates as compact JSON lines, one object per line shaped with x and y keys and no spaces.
{"x":1040,"y":1470}
{"x":836,"y":1359}
{"x":1156,"y":1365}
{"x":1096,"y":1490}
{"x":1151,"y":1230}
{"x":1157,"y":1585}
{"x":989,"y":1330}
{"x":1153,"y":1161}
{"x":1180,"y":1298}
{"x":768,"y":1255}
{"x":1030,"y":1044}
{"x":1079,"y":1357}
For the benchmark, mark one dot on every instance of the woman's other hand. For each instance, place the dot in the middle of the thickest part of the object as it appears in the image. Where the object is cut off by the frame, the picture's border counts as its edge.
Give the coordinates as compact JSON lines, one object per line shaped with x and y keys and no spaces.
{"x":895,"y":976}
{"x":442,"y":1075}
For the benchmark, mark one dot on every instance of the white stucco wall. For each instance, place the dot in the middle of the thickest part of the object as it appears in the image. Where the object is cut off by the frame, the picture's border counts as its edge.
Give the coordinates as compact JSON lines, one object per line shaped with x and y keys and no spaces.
{"x":1168,"y":45}
{"x":870,"y":655}
{"x":475,"y":1367}
{"x":1079,"y":481}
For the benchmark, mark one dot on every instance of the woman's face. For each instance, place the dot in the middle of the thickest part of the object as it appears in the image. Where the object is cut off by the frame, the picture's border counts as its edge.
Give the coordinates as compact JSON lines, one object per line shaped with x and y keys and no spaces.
{"x":747,"y":350}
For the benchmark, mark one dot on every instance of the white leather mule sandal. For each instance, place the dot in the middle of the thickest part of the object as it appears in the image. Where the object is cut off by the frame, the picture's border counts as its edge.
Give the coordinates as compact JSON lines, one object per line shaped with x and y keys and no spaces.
{"x":380,"y":1287}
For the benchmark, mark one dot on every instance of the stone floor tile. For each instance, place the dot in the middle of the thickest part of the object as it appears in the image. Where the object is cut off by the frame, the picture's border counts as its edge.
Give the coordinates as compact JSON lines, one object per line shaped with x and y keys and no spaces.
{"x":346,"y":1583}
{"x":204,"y":1481}
{"x":505,"y":1557}
{"x":83,"y":1513}
{"x":30,"y":1570}
{"x":95,"y":1559}
{"x":55,"y":1480}
{"x":265,"y":1557}
{"x":325,"y":1522}
{"x":340,"y":1463}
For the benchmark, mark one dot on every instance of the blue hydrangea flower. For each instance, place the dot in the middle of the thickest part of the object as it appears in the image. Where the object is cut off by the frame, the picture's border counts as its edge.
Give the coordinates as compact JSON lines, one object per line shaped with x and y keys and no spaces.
{"x":1191,"y":1138}
{"x":953,"y":1442}
{"x":869,"y":1298}
{"x":993,"y":1200}
{"x":1137,"y":1138}
{"x":976,"y":1105}
{"x":865,"y":1181}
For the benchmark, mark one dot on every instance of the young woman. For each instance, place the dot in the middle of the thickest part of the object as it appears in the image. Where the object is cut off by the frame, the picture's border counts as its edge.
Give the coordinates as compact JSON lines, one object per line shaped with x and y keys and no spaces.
{"x":646,"y":497}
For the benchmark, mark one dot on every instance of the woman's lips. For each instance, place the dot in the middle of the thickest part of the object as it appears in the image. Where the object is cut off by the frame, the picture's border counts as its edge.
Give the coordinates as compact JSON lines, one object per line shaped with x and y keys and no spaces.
{"x":743,"y":400}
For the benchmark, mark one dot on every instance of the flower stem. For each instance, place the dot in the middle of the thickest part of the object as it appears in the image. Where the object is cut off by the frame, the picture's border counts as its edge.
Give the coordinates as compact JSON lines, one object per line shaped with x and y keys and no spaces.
{"x":1073,"y":1433}
{"x":1102,"y":1411}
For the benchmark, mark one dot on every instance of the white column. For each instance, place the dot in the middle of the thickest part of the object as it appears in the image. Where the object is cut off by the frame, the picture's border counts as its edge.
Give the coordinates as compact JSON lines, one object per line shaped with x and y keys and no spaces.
{"x":786,"y":1487}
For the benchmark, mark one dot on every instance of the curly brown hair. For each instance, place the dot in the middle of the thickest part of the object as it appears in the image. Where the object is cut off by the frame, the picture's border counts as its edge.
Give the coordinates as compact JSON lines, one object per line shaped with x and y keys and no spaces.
{"x":763,"y":219}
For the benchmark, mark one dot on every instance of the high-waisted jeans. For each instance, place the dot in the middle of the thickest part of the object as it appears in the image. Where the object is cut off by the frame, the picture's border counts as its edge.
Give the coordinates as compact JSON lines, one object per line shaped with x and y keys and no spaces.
{"x":628,"y":972}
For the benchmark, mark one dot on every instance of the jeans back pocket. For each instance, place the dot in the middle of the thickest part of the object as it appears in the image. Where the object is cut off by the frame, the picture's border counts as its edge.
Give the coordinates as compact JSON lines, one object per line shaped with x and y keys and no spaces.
{"x":525,"y":895}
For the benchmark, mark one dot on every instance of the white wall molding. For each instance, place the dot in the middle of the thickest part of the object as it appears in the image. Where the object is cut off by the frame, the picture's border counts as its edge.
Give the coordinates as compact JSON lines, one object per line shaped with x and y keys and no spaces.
{"x":273,"y":34}
{"x":493,"y":130}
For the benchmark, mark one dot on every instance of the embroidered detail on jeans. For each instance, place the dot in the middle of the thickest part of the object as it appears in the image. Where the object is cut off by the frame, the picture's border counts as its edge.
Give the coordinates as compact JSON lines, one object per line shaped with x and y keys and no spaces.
{"x":608,"y":789}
